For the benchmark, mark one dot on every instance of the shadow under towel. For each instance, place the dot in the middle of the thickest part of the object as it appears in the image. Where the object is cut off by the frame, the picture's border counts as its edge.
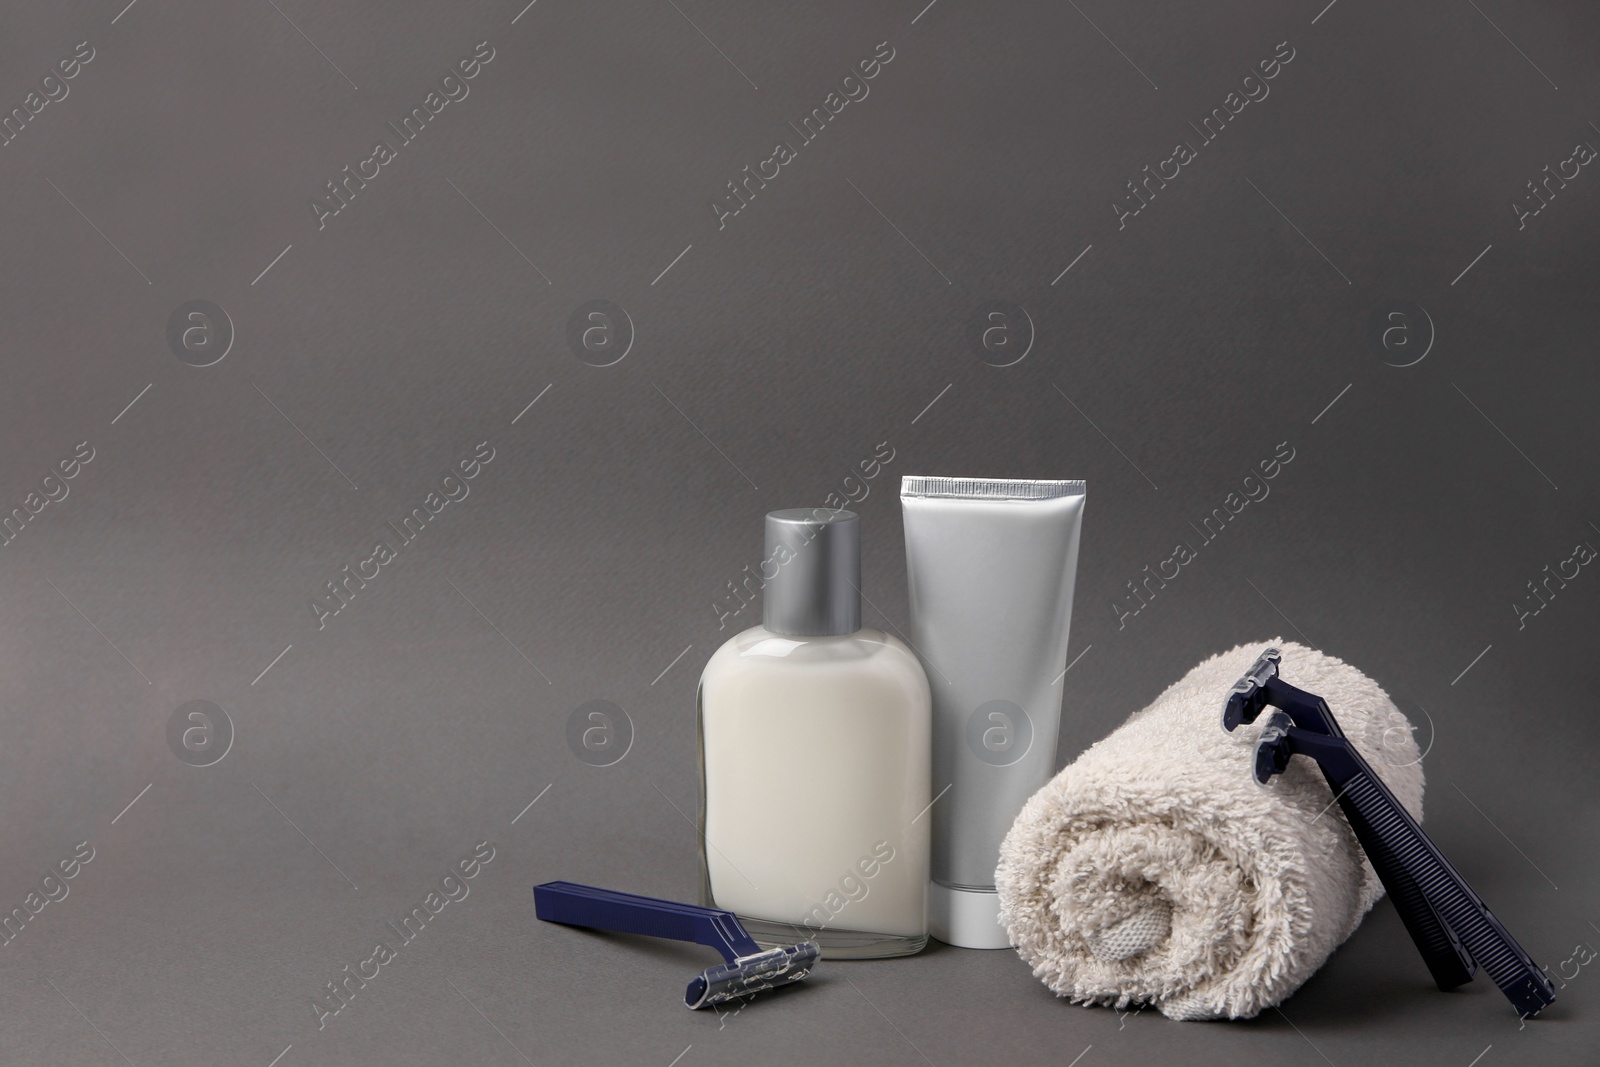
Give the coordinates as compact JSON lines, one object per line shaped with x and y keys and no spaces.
{"x":1155,"y":870}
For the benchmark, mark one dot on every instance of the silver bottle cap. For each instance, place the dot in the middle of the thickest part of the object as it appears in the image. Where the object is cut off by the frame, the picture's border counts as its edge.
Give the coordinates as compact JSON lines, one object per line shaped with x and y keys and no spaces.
{"x":816,"y":553}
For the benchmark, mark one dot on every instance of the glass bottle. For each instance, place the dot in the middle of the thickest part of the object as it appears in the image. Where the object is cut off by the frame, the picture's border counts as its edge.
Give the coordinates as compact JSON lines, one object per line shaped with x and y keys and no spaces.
{"x":814,"y":738}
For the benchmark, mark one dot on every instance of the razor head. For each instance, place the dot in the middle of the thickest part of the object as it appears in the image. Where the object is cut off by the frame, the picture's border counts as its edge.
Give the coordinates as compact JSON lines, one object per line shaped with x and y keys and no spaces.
{"x":1249,"y":694}
{"x":1273,"y":748}
{"x":752,"y":974}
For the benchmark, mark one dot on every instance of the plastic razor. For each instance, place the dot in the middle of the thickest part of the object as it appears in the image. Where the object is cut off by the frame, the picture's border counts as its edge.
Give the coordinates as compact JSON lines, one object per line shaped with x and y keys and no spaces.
{"x":746,"y":968}
{"x":1453,"y":928}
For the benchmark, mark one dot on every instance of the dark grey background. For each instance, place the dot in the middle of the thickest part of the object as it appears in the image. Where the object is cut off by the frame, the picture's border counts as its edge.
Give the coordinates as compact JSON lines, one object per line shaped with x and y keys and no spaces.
{"x":823,"y":320}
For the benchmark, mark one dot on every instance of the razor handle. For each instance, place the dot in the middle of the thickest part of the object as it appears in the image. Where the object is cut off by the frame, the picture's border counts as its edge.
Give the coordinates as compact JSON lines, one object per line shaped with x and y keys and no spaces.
{"x":1450,"y":923}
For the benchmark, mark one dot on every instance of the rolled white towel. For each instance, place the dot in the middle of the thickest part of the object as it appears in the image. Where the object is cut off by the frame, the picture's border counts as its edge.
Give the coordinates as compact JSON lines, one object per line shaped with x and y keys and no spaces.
{"x":1154,"y":870}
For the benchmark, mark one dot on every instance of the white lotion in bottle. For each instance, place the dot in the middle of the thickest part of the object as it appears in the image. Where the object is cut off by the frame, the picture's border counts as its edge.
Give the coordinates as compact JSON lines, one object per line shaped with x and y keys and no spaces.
{"x":815,"y":758}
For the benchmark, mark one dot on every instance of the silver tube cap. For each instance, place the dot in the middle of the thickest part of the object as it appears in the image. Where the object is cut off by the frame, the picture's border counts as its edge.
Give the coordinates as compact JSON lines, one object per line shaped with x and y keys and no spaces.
{"x":815,"y":592}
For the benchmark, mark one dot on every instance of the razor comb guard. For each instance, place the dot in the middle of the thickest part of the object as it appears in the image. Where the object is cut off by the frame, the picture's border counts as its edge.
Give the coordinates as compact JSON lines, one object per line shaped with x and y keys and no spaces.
{"x":1453,"y":929}
{"x":746,"y":969}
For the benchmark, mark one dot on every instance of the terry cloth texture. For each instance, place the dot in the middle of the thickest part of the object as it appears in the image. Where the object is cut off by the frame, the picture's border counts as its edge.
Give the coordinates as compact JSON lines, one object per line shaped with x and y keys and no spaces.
{"x":1154,"y":870}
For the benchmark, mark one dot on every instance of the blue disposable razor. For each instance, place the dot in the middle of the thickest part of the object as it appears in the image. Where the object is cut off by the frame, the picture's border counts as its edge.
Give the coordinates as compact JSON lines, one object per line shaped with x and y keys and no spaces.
{"x":747,"y":968}
{"x":1454,"y":929}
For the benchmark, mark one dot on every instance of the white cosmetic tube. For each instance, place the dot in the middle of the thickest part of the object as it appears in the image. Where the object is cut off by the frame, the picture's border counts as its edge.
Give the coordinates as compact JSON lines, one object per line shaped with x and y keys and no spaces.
{"x":990,"y":563}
